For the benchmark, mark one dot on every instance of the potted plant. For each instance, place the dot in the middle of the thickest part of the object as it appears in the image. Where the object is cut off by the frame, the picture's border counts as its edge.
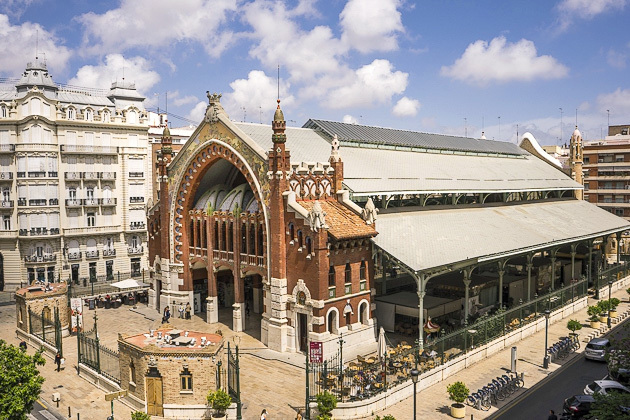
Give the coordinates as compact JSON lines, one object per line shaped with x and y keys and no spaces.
{"x":326,"y":403}
{"x":219,"y":400}
{"x":458,"y":392}
{"x":593,"y":312}
{"x":604,"y":305}
{"x":574,"y":325}
{"x":614,"y":302}
{"x":140,"y":415}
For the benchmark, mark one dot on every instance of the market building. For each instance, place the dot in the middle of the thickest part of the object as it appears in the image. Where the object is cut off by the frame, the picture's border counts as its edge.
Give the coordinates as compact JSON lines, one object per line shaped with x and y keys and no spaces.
{"x":314,"y":229}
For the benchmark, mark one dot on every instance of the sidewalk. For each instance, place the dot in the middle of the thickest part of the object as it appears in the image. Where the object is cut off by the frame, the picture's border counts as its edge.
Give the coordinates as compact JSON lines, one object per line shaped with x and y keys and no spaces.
{"x":433,"y":402}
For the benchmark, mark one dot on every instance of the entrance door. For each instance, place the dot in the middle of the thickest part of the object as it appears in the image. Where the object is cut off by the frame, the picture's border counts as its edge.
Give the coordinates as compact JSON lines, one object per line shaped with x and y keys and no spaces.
{"x":154,"y":396}
{"x":303,"y":331}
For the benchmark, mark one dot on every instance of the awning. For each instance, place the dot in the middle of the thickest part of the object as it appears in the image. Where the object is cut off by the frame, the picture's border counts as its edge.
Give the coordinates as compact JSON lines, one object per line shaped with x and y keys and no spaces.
{"x":130,"y":284}
{"x":424,"y":240}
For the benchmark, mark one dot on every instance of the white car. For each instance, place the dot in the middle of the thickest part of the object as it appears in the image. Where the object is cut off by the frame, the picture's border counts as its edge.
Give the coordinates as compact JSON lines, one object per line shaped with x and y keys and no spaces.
{"x":605,"y":387}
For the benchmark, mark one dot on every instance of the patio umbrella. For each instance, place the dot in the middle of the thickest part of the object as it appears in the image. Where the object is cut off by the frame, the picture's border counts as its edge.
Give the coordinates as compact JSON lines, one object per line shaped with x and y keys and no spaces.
{"x":382,"y":345}
{"x":430,"y":327}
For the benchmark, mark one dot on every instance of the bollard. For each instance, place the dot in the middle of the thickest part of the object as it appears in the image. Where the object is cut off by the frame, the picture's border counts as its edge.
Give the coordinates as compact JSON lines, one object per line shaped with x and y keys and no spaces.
{"x":69,"y":413}
{"x":78,"y":416}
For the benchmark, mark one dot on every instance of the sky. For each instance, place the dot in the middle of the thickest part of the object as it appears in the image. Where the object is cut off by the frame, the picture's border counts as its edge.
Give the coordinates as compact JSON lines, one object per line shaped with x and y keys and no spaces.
{"x":441,"y":66}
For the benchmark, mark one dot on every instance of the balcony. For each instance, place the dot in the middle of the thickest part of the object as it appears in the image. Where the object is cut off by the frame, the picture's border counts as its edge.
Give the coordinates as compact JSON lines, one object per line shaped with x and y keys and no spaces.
{"x":91,"y":254}
{"x":107,"y":201}
{"x":91,"y":230}
{"x":53,"y":174}
{"x":7,"y":148}
{"x":7,"y":204}
{"x":137,"y":226}
{"x":135,"y":250}
{"x":109,"y":252}
{"x":136,"y":200}
{"x":90,"y":202}
{"x":90,"y":175}
{"x":8,"y":233}
{"x":136,"y":174}
{"x":53,"y":202}
{"x":6,"y":176}
{"x":40,"y":231}
{"x":21,"y":174}
{"x":37,"y":174}
{"x":108,"y":176}
{"x":54,"y":231}
{"x":74,"y":202}
{"x":37,"y":202}
{"x":21,"y":202}
{"x":74,"y":255}
{"x":40,"y":258}
{"x":69,"y":176}
{"x":84,"y":149}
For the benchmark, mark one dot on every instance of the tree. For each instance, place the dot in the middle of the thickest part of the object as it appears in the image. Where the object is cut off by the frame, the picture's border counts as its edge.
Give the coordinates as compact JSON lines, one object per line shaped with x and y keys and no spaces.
{"x":20,"y":381}
{"x":326,"y":403}
{"x":611,"y":406}
{"x":140,"y":415}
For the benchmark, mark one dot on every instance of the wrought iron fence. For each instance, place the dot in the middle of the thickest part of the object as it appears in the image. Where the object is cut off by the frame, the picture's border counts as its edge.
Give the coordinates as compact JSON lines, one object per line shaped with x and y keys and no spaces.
{"x":233,"y":379}
{"x":46,"y":327}
{"x":92,"y":353}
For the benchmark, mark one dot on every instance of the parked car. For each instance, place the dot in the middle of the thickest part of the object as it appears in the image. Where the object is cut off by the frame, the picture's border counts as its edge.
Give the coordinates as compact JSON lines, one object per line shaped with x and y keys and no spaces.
{"x":578,"y":406}
{"x":605,"y":387}
{"x":596,"y":349}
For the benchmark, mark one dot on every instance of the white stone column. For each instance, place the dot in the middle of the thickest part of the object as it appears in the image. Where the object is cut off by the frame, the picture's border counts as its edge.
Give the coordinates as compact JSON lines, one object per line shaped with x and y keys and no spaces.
{"x":277,"y":326}
{"x":238,"y":320}
{"x":212,"y":309}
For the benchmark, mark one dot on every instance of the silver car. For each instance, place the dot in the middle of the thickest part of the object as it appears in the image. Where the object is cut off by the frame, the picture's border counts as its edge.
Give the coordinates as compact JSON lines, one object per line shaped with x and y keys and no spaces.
{"x":605,"y":387}
{"x":596,"y":349}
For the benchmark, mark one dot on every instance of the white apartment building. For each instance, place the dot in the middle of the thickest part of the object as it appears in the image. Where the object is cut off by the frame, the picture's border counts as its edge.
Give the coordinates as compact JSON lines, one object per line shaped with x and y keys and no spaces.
{"x":75,"y":177}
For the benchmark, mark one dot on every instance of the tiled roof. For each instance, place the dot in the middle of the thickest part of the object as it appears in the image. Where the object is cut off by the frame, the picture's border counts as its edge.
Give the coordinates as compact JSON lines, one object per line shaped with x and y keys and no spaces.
{"x":342,"y":222}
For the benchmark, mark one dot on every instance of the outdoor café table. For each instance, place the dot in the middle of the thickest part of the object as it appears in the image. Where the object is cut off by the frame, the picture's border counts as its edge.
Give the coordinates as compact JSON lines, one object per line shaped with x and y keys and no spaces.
{"x":182,"y":341}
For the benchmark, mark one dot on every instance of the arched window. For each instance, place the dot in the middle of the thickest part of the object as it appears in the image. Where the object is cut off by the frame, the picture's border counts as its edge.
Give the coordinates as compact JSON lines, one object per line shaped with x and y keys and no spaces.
{"x":192,"y":231}
{"x":132,"y":373}
{"x":4,"y":112}
{"x":243,"y":238}
{"x":363,"y":312}
{"x":332,"y":322}
{"x":231,"y":238}
{"x":300,"y":239}
{"x":291,"y":232}
{"x":132,"y":117}
{"x":309,"y":246}
{"x":348,"y":273}
{"x":331,"y":277}
{"x":224,"y":236}
{"x":89,"y":115}
{"x":252,"y":239}
{"x":186,"y":380}
{"x":260,"y":241}
{"x":216,"y":235}
{"x":363,"y":271}
{"x":106,"y":116}
{"x":71,"y":113}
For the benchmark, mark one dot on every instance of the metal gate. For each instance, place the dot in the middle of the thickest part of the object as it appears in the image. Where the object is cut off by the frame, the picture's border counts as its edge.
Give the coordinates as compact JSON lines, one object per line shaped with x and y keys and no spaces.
{"x":233,"y":380}
{"x":46,"y":329}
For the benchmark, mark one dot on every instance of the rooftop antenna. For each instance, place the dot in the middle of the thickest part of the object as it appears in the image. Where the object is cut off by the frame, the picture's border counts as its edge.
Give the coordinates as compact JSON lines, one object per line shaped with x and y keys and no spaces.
{"x":166,"y":106}
{"x":36,"y":43}
{"x":560,"y":124}
{"x":158,"y":102}
{"x":260,"y":114}
{"x":576,"y":117}
{"x":278,"y":80}
{"x":516,"y":133}
{"x":499,"y":127}
{"x":244,"y":113}
{"x":608,"y":112}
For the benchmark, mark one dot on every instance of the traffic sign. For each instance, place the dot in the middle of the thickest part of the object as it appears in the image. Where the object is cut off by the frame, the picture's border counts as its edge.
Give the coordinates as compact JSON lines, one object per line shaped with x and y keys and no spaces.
{"x":113,"y":395}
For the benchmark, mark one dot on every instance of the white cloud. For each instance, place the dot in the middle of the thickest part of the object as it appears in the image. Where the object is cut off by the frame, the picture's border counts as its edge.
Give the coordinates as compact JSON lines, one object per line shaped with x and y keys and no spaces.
{"x":17,"y":47}
{"x":373,"y":83}
{"x":179,"y":101}
{"x":349,"y":119}
{"x":158,"y":24}
{"x":570,"y":10}
{"x":256,"y":95}
{"x":501,"y":61}
{"x":616,"y":59}
{"x":15,"y":8}
{"x":136,"y":70}
{"x":371,"y":25}
{"x":198,"y":112}
{"x":618,"y":102}
{"x":406,"y":107}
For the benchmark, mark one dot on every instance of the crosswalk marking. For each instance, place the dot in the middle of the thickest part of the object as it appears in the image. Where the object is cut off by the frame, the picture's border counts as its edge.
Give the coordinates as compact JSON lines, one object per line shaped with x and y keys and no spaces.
{"x":47,"y":415}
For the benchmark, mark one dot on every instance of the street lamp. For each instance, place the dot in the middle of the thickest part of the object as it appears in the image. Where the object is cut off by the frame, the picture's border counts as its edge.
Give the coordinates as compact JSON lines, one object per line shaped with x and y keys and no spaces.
{"x":609,"y":307}
{"x":414,"y":377}
{"x":546,"y":359}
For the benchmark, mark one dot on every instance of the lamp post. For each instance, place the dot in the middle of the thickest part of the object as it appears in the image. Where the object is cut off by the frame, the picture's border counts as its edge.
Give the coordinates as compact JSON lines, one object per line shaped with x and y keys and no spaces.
{"x":414,"y":377}
{"x":546,"y":359}
{"x":610,"y":282}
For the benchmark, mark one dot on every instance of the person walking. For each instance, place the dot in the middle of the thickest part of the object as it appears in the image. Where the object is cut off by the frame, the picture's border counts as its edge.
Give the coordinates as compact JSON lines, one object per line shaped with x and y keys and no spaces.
{"x":181,"y":310}
{"x":263,"y":415}
{"x":58,"y":361}
{"x":552,"y":415}
{"x":188,"y":310}
{"x":167,"y":315}
{"x":299,"y":415}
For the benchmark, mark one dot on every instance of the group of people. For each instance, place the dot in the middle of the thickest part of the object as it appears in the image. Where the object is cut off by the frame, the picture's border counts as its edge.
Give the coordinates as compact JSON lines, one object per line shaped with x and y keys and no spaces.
{"x":184,"y":312}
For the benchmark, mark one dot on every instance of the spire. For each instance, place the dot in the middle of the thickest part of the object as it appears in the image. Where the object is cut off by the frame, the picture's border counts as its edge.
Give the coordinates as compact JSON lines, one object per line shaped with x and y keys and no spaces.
{"x":278,"y":125}
{"x":334,"y":153}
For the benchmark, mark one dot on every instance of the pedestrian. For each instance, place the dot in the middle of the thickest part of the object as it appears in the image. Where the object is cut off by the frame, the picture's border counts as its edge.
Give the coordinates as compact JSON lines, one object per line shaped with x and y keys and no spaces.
{"x":263,"y":415}
{"x":299,"y":415}
{"x":188,"y":310}
{"x":247,"y":308}
{"x":181,"y":310}
{"x":58,"y":361}
{"x":23,"y":345}
{"x":167,"y":315}
{"x":552,"y":415}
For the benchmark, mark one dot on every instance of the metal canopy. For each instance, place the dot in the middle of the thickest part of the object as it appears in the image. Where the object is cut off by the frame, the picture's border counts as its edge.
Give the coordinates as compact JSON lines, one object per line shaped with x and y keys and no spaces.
{"x":429,"y":241}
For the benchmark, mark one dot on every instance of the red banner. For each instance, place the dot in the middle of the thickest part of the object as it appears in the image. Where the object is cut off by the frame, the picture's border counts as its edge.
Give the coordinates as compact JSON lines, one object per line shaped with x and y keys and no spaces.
{"x":316,"y":354}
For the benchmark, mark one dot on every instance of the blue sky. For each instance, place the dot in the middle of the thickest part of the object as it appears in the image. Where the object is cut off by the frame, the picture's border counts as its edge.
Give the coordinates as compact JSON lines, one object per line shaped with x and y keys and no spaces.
{"x":443,"y":66}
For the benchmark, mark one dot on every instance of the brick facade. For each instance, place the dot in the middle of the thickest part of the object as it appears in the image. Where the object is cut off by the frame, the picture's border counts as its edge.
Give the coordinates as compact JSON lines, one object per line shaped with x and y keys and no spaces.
{"x":42,"y":302}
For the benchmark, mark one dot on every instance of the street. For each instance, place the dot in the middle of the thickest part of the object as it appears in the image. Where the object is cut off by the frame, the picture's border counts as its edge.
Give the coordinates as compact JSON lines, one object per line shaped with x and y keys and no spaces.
{"x":40,"y":412}
{"x":568,"y":381}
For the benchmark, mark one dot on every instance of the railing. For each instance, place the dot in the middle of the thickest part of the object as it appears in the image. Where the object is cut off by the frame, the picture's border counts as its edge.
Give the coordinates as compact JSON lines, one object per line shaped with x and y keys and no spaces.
{"x":136,"y":174}
{"x":37,"y":174}
{"x":34,"y":232}
{"x":108,"y":176}
{"x":7,"y":203}
{"x":74,"y":202}
{"x":137,"y":225}
{"x":104,"y":150}
{"x":91,"y":230}
{"x":91,"y":254}
{"x":72,"y":175}
{"x":90,"y":175}
{"x":37,"y":202}
{"x":90,"y":202}
{"x":105,"y":361}
{"x":21,"y":174}
{"x":21,"y":201}
{"x":6,"y":175}
{"x":8,"y":233}
{"x":7,"y":147}
{"x":53,"y":202}
{"x":53,"y":174}
{"x":107,"y":201}
{"x":41,"y":258}
{"x":132,"y":250}
{"x":74,"y":255}
{"x":54,"y":231}
{"x":109,"y":252}
{"x":136,"y":200}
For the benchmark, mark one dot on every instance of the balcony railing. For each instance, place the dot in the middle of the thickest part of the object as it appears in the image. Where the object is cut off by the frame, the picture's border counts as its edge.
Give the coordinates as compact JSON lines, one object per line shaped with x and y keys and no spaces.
{"x":54,"y":231}
{"x":21,"y":201}
{"x":91,"y":254}
{"x":108,"y":176}
{"x":40,"y":258}
{"x":38,"y":232}
{"x":102,"y":150}
{"x":74,"y":255}
{"x":53,"y":174}
{"x":136,"y":174}
{"x":37,"y":202}
{"x":91,"y":230}
{"x":53,"y":202}
{"x":21,"y":174}
{"x":8,"y":233}
{"x":90,"y":202}
{"x":133,"y":250}
{"x":73,"y":175}
{"x":137,"y":225}
{"x":7,"y":148}
{"x":107,"y":201}
{"x":6,"y":176}
{"x":37,"y":174}
{"x":90,"y":175}
{"x":109,"y":252}
{"x":136,"y":200}
{"x":7,"y":204}
{"x":74,"y":202}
